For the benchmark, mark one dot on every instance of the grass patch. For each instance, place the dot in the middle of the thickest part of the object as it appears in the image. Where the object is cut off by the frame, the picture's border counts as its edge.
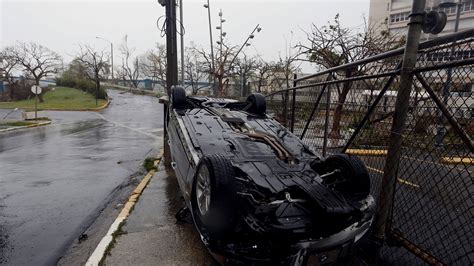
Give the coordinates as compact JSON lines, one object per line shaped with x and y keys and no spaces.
{"x":149,"y":164}
{"x":63,"y":98}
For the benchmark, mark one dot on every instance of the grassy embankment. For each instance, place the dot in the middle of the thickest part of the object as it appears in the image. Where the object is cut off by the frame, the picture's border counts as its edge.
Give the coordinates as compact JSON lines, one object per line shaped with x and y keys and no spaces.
{"x":62,"y":98}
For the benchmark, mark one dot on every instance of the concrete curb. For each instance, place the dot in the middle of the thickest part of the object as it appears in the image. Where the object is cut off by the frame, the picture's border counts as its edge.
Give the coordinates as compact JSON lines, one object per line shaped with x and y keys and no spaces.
{"x":23,"y":127}
{"x":363,"y":152}
{"x":457,"y":160}
{"x":100,"y":251}
{"x":100,"y":108}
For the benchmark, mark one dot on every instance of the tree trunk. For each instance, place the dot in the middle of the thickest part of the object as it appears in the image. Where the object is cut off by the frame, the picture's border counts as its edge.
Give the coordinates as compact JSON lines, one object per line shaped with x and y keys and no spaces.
{"x":11,"y":89}
{"x":336,"y":124}
{"x":221,"y":87}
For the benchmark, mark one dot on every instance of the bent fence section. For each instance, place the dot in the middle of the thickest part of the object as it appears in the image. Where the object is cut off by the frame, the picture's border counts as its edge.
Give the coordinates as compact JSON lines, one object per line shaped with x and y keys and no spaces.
{"x":350,"y":109}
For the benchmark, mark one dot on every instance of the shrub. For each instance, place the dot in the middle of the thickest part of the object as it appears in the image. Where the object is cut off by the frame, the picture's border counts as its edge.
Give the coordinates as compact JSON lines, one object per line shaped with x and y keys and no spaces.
{"x":72,"y":81}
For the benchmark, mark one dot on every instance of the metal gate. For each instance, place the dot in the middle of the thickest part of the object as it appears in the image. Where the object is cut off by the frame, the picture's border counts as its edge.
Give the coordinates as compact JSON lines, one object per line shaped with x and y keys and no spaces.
{"x":431,"y":210}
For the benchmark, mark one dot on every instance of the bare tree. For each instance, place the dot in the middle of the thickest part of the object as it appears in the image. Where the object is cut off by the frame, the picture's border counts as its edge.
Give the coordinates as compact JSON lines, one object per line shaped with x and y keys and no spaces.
{"x":153,"y":64}
{"x":244,"y":69}
{"x":8,"y":64}
{"x":37,"y":61}
{"x":284,"y":69}
{"x":131,"y":73}
{"x":194,"y":69}
{"x":94,"y":64}
{"x":222,"y":62}
{"x":263,"y":72}
{"x":333,"y":45}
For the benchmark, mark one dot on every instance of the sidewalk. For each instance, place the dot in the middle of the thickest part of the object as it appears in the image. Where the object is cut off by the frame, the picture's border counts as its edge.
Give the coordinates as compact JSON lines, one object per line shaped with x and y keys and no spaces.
{"x":151,"y":235}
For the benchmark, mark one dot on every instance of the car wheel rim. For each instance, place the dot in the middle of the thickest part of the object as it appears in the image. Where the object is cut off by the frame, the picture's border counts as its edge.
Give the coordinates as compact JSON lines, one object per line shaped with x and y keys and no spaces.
{"x":203,"y":190}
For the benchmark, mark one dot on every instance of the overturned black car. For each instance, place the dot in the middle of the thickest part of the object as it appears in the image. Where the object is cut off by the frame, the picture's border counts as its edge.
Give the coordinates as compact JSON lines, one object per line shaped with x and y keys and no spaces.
{"x":256,"y":193}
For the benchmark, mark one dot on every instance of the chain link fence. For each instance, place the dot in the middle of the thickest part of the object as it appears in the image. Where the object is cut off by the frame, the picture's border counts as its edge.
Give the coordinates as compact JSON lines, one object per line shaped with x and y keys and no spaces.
{"x":350,"y":109}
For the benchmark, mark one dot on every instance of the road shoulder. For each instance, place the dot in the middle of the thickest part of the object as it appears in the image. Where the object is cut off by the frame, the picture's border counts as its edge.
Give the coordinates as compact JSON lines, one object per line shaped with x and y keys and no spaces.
{"x":32,"y":125}
{"x":151,"y":234}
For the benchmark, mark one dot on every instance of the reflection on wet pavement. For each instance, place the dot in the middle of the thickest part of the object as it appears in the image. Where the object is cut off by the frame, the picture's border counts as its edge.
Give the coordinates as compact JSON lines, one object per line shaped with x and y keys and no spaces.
{"x":55,"y":179}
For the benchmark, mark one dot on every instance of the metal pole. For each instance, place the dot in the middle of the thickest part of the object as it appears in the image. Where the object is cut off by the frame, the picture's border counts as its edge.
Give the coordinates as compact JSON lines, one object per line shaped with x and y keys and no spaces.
{"x":241,"y":47}
{"x":326,"y":121}
{"x":171,"y":46}
{"x":285,"y":108}
{"x":441,"y":130}
{"x":220,"y":16}
{"x":112,"y":59}
{"x":36,"y":105}
{"x":111,"y":55}
{"x":293,"y":104}
{"x":212,"y":50}
{"x":399,"y":118}
{"x":242,"y":92}
{"x":181,"y":26}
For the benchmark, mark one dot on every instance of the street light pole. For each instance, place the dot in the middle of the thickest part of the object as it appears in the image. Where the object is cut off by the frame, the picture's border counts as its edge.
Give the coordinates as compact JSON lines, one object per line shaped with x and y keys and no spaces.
{"x":111,"y":55}
{"x":251,"y":36}
{"x":220,"y":28}
{"x":112,"y":60}
{"x":212,"y":47}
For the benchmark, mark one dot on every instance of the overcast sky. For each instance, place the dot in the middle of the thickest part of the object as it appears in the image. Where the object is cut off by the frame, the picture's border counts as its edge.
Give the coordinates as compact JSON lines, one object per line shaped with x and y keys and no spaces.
{"x":62,"y":24}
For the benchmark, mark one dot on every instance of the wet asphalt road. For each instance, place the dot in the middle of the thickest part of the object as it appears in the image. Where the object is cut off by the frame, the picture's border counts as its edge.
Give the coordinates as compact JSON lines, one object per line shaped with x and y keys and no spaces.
{"x":55,"y":179}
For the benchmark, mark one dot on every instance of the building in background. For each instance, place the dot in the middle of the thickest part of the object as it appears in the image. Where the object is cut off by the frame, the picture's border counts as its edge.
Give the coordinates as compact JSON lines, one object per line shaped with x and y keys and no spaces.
{"x":394,"y":14}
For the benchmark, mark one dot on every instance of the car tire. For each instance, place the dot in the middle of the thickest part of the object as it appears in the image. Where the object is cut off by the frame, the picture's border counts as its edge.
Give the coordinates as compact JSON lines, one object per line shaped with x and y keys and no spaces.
{"x":178,"y":98}
{"x":352,"y":180}
{"x":258,"y":104}
{"x":218,"y":219}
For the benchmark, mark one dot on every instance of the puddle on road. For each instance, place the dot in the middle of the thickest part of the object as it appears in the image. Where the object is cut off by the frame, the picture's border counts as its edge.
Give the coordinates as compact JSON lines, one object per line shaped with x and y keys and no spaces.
{"x":40,"y":184}
{"x":80,"y":126}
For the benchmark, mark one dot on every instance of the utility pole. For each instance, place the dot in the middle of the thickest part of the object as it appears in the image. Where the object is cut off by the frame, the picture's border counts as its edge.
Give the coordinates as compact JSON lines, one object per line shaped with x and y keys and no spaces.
{"x":181,"y":30}
{"x":171,"y":46}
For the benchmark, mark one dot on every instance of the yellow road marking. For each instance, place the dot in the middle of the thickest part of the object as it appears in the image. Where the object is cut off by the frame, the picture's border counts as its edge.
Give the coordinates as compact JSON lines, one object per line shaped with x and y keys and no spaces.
{"x":364,"y":152}
{"x":435,"y":163}
{"x":457,"y":160}
{"x":399,"y":179}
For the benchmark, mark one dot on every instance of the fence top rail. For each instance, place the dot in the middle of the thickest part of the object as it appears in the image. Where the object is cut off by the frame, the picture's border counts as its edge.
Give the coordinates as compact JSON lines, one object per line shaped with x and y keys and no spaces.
{"x":424,"y":45}
{"x":386,"y":74}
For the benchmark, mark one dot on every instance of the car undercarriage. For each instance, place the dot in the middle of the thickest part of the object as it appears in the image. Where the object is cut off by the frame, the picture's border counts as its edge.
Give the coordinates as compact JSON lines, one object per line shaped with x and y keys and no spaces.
{"x":256,"y":192}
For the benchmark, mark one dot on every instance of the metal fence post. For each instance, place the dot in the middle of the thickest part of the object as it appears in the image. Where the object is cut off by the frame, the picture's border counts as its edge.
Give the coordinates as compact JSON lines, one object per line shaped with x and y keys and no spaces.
{"x":285,"y":108}
{"x":386,"y":196}
{"x":326,"y":121}
{"x":293,"y":104}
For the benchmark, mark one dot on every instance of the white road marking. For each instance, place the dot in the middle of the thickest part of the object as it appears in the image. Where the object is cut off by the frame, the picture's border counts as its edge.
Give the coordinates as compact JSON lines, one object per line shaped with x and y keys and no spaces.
{"x":130,"y":128}
{"x":99,"y":251}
